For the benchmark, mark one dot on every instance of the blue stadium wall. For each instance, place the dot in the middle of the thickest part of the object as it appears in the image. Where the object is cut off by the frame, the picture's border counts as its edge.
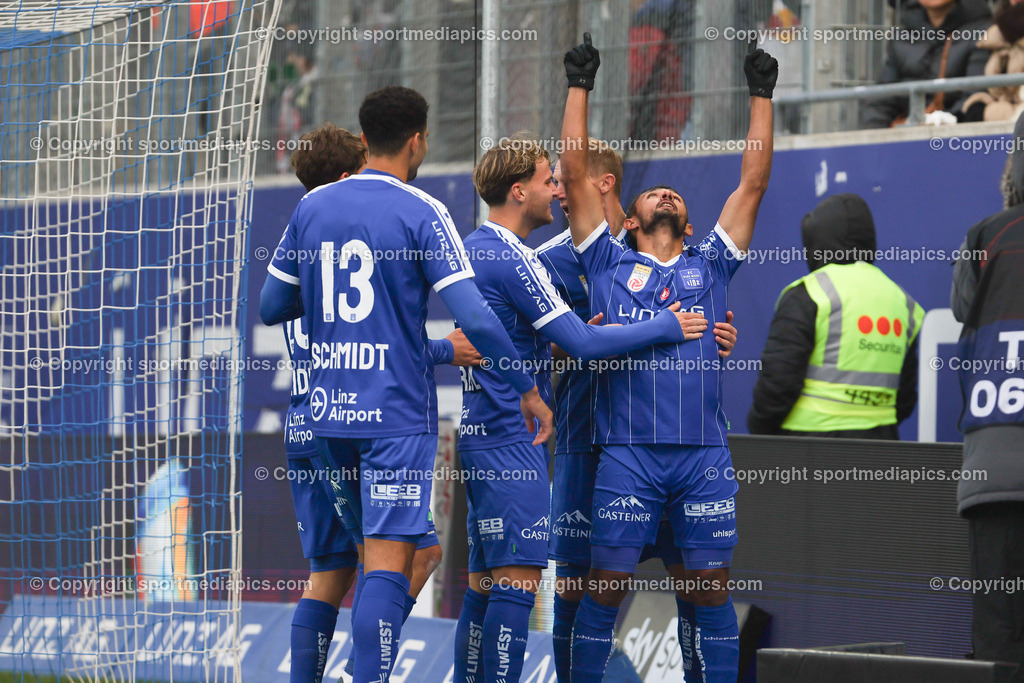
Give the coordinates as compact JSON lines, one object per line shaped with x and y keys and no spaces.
{"x":922,"y":198}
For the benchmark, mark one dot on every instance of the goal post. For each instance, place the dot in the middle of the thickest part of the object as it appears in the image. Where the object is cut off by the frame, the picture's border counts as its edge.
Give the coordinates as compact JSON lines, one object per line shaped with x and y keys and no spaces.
{"x":128,"y":135}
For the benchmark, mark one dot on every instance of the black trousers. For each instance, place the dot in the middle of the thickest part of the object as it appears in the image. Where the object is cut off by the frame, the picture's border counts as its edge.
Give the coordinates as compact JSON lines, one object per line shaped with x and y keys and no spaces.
{"x":997,"y":553}
{"x":887,"y":432}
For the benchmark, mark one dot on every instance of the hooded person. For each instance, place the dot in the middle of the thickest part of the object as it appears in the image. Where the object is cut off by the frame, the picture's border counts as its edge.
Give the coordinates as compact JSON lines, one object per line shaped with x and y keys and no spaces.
{"x":988,"y":281}
{"x":841,"y":354}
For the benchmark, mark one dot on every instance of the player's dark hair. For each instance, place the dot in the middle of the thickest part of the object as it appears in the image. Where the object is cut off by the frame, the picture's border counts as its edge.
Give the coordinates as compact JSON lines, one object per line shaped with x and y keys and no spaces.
{"x":513,"y":160}
{"x":390,"y":116}
{"x":631,"y":209}
{"x":325,"y":154}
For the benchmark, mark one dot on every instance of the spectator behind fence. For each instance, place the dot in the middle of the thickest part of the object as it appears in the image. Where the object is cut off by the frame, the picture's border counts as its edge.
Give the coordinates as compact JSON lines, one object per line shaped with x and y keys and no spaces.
{"x":1005,"y":44}
{"x":935,"y":55}
{"x":841,"y":355}
{"x":987,"y":299}
{"x":659,"y":47}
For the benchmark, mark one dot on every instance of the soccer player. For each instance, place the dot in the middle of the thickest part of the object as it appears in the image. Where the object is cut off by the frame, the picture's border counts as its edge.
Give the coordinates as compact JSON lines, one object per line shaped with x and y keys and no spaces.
{"x":359,"y":257}
{"x":658,"y":415}
{"x":508,"y":515}
{"x":332,"y":154}
{"x":576,"y":457}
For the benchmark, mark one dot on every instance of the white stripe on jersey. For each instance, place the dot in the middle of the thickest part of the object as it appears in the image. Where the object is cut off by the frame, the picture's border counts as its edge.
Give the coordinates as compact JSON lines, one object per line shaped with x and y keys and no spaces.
{"x":733,"y":249}
{"x":447,"y":224}
{"x":281,"y":275}
{"x":555,"y":241}
{"x":592,"y":237}
{"x":561,"y":239}
{"x":537,"y":272}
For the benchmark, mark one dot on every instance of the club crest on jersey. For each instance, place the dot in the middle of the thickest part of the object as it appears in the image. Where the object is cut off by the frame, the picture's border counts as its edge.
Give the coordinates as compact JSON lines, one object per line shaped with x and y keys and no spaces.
{"x":639,"y":277}
{"x":692,"y":278}
{"x":664,"y":294}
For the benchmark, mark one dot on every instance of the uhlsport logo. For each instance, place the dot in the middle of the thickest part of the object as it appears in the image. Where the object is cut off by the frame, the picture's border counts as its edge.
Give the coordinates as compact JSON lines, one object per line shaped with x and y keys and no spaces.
{"x":571,"y":525}
{"x":538,"y":531}
{"x":625,"y":509}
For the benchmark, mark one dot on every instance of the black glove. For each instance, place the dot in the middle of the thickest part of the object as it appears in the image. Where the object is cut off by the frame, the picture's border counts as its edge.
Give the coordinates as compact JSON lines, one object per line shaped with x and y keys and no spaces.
{"x":761,"y":69}
{"x":581,"y":64}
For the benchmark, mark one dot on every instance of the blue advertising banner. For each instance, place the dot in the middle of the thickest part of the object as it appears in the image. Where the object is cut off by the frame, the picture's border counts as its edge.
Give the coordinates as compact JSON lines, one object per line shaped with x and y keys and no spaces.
{"x":47,"y":636}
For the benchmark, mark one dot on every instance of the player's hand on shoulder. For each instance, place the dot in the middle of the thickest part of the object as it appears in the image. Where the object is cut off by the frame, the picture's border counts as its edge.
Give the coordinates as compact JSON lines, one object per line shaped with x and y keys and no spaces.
{"x":465,"y":353}
{"x":534,"y":407}
{"x":693,"y":324}
{"x":761,"y":69}
{"x":725,"y":335}
{"x":581,"y":64}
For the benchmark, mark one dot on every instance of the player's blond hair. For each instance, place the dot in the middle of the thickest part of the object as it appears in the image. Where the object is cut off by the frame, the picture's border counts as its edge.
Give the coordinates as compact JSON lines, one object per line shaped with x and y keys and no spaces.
{"x":602,"y":159}
{"x":513,"y":160}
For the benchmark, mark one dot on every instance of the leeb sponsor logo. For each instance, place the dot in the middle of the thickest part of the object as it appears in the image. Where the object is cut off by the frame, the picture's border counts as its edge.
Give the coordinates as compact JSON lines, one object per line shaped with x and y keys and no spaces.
{"x":711,"y":508}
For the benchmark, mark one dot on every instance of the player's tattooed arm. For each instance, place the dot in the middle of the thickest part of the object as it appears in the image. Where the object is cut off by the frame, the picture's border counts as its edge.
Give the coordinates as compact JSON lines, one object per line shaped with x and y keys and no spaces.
{"x":740,"y":211}
{"x":584,"y":200}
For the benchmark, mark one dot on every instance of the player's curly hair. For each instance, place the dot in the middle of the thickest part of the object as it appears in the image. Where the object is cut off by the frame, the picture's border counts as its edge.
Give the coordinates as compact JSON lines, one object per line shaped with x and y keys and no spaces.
{"x":512,"y":161}
{"x":325,"y":154}
{"x":390,"y":116}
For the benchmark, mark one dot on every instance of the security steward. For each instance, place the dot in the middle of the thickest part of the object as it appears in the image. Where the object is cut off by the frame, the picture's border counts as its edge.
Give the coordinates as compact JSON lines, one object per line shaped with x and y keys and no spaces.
{"x":841,"y":355}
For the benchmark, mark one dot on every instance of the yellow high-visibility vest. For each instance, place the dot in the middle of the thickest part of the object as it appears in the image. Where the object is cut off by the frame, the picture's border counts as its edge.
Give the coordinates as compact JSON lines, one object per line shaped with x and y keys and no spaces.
{"x":864,"y":326}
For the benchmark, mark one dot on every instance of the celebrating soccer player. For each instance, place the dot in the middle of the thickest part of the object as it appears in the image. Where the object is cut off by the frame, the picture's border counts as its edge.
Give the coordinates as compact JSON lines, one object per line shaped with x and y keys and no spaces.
{"x":332,"y":154}
{"x":576,"y":457}
{"x":658,"y":415}
{"x":359,"y":256}
{"x":508,"y":515}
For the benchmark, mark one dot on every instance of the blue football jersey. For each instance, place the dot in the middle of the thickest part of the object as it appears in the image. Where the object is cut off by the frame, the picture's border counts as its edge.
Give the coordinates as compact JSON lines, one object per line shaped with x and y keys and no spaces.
{"x":671,"y":393}
{"x":365,"y":252}
{"x":519,"y":291}
{"x":573,"y":408}
{"x":298,"y":434}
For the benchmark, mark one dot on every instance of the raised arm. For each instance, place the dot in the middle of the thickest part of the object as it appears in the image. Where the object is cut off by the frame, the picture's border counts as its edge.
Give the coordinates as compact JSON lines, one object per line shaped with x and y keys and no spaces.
{"x":740,"y":211}
{"x":584,"y":200}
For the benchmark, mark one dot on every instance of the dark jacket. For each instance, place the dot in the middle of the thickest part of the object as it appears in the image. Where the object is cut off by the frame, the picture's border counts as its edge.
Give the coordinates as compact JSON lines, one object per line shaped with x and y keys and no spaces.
{"x":988,"y":287}
{"x":921,"y":59}
{"x":842,"y":223}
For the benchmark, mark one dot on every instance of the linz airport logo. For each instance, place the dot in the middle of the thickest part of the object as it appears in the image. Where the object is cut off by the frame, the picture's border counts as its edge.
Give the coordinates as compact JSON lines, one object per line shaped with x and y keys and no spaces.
{"x":625,"y":509}
{"x":318,"y":403}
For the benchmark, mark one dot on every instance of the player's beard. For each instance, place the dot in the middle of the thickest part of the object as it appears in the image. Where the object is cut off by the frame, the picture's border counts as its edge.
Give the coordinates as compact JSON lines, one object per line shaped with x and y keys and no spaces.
{"x":413,"y":170}
{"x":659,"y":219}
